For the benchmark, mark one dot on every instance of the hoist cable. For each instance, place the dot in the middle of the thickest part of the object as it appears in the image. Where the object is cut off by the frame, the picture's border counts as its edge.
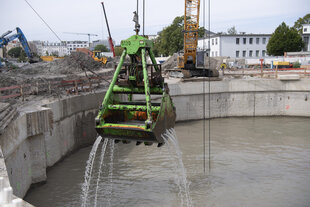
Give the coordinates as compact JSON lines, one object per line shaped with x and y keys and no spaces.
{"x":203,"y":91}
{"x":44,"y":21}
{"x":209,"y":1}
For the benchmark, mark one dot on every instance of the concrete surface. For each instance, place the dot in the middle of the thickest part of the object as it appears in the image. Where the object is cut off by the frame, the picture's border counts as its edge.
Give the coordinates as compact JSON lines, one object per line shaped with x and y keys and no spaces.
{"x":45,"y":133}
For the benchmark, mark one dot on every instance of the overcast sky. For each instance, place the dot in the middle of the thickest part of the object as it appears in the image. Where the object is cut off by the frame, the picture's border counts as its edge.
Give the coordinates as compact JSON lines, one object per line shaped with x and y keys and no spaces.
{"x":86,"y":16}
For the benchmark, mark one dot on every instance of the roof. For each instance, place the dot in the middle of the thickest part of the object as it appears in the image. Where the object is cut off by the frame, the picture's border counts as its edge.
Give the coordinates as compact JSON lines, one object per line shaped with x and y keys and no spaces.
{"x":239,"y":35}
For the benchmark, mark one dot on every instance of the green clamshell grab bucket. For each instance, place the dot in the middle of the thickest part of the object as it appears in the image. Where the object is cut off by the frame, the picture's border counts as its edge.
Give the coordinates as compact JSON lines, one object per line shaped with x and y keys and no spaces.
{"x":137,"y":105}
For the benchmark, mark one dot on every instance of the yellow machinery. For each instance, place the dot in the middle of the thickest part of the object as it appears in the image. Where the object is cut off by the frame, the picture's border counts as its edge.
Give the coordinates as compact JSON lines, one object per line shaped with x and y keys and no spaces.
{"x":282,"y":64}
{"x":50,"y":58}
{"x":97,"y":56}
{"x":191,"y":26}
{"x":187,"y":62}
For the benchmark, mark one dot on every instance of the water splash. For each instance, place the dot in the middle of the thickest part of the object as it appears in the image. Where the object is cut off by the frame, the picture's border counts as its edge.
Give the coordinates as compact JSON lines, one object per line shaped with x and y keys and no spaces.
{"x":89,"y":170}
{"x":104,"y":146}
{"x":170,"y":138}
{"x":110,"y":177}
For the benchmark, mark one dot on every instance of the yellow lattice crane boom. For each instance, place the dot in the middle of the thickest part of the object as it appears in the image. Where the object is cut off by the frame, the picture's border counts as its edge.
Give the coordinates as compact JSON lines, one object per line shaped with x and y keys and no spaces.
{"x":191,"y":26}
{"x":187,"y":62}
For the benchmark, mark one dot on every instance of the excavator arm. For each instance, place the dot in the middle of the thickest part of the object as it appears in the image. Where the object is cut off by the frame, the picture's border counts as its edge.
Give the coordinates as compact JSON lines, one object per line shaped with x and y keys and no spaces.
{"x":5,"y":39}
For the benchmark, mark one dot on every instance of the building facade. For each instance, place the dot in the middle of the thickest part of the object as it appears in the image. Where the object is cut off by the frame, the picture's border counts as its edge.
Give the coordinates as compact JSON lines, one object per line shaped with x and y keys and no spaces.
{"x":236,"y":46}
{"x":100,"y":42}
{"x":306,"y":37}
{"x":72,"y":45}
{"x":51,"y":48}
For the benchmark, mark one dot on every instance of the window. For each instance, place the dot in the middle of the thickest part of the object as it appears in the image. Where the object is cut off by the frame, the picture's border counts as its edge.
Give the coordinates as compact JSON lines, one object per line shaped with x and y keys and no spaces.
{"x":257,"y":53}
{"x":251,"y":41}
{"x":250,"y":53}
{"x":244,"y":41}
{"x":216,"y":54}
{"x":212,"y":54}
{"x":305,"y":29}
{"x":237,"y":41}
{"x":257,"y":40}
{"x":264,"y":40}
{"x":237,"y":53}
{"x":306,"y":40}
{"x":212,"y":41}
{"x":243,"y":53}
{"x":216,"y":41}
{"x":263,"y":53}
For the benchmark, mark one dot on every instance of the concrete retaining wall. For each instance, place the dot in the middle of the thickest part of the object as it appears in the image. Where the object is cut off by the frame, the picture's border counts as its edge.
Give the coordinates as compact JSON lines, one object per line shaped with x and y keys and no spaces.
{"x":42,"y":135}
{"x":241,"y":98}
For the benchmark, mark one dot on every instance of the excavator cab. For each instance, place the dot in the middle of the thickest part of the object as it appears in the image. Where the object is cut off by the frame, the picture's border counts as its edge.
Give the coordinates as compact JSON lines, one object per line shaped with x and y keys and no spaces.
{"x":137,"y":106}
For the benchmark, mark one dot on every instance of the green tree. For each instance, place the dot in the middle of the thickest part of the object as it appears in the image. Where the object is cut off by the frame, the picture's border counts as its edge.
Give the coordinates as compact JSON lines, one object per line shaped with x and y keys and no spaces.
{"x":232,"y":30}
{"x":118,"y":51}
{"x":298,"y":24}
{"x":22,"y":57}
{"x":15,"y":52}
{"x":284,"y":39}
{"x":101,"y":48}
{"x":171,"y":38}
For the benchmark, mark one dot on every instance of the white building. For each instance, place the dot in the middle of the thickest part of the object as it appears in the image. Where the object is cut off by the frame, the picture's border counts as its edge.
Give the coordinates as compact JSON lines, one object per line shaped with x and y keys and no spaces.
{"x":100,"y":42}
{"x":51,"y":48}
{"x":236,"y":46}
{"x":306,"y":36}
{"x":72,"y":45}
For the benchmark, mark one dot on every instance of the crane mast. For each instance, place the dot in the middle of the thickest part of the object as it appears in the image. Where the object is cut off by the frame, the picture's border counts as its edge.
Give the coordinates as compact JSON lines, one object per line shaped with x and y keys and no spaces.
{"x":191,"y":26}
{"x":187,"y":66}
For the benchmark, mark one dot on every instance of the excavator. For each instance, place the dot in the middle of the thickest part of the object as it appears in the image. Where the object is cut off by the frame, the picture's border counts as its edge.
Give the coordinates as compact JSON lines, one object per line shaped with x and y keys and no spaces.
{"x":137,"y":106}
{"x":187,"y":63}
{"x":97,"y":56}
{"x":5,"y":39}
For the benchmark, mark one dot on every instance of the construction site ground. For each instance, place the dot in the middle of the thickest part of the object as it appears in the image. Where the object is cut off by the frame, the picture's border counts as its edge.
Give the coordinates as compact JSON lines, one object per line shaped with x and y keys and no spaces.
{"x":79,"y":73}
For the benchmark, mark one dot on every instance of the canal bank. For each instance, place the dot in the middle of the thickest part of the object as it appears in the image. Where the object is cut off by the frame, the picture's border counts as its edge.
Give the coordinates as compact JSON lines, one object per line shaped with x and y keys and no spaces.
{"x":44,"y":133}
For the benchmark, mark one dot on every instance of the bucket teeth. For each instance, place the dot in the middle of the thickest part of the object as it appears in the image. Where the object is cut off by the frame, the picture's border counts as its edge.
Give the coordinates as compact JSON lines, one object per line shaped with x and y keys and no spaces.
{"x":148,"y":143}
{"x":160,"y":144}
{"x":126,"y":141}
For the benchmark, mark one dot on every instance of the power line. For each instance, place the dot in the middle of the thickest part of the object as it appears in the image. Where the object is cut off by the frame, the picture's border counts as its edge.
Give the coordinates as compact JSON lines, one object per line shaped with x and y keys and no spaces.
{"x":44,"y":21}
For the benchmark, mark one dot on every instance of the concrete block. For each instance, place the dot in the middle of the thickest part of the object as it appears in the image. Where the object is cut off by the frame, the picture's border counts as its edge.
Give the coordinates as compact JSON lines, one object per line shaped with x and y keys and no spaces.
{"x":289,"y":77}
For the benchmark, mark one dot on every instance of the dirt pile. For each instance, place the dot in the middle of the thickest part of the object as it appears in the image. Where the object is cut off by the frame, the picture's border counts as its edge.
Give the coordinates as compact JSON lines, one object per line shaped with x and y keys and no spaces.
{"x":75,"y":63}
{"x":171,"y":62}
{"x":68,"y":67}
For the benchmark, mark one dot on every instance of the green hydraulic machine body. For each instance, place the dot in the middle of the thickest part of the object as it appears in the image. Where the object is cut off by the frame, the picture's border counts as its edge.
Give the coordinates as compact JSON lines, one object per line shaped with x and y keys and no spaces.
{"x":137,"y":106}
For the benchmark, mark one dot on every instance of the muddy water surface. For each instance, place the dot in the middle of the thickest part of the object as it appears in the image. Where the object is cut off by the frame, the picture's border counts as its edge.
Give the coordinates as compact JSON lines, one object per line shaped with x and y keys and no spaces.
{"x":254,"y":162}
